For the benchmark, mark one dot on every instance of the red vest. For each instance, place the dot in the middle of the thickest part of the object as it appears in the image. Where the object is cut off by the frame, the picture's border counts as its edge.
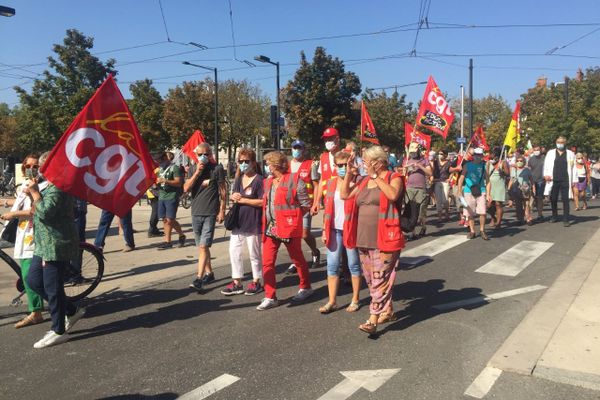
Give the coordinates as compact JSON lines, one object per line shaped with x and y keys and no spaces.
{"x":288,"y":214}
{"x":304,"y":173}
{"x":389,"y":234}
{"x":327,"y":171}
{"x":329,"y":212}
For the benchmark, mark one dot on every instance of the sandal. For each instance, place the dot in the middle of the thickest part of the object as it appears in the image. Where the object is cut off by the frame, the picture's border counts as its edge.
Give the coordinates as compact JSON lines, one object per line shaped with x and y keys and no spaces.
{"x":327,"y":308}
{"x":353,"y":307}
{"x":368,"y":327}
{"x":386,"y":317}
{"x":31,"y":319}
{"x":484,"y":235}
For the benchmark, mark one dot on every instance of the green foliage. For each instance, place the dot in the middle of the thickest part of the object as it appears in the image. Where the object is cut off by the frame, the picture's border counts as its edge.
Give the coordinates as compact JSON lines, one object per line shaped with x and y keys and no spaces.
{"x":54,"y":101}
{"x":8,"y":132}
{"x":147,"y":108}
{"x":321,"y":95}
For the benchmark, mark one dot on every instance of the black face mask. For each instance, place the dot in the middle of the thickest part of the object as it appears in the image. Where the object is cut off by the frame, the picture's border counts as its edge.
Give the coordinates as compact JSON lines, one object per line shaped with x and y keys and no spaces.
{"x":413,"y":155}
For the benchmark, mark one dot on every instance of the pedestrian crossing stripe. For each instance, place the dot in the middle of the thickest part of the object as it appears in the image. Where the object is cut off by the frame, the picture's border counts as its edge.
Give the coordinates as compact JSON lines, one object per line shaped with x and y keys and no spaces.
{"x":514,"y":260}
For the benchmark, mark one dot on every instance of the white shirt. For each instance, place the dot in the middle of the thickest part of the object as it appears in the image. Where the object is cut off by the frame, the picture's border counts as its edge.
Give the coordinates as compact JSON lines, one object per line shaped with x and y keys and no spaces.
{"x":338,"y":211}
{"x":24,"y":244}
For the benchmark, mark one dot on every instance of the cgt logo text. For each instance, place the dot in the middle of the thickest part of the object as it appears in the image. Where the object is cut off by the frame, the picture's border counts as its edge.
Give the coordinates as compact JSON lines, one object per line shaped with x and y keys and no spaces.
{"x":104,"y":178}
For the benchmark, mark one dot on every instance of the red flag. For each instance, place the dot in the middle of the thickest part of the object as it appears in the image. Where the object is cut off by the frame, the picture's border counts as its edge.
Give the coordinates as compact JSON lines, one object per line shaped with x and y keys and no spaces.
{"x":193,"y":142}
{"x":478,"y":139}
{"x":435,"y":112}
{"x":101,"y":157}
{"x":367,"y":129}
{"x":412,"y":135}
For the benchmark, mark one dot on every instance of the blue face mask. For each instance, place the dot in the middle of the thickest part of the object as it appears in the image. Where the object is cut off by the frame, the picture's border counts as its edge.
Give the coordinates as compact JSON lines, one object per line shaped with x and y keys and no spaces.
{"x":296,"y":153}
{"x":203,"y":159}
{"x":244,"y":167}
{"x":341,"y":172}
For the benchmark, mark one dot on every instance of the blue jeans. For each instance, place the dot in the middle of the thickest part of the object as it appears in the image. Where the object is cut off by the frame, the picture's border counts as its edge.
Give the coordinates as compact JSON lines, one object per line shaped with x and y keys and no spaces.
{"x":334,"y":255}
{"x":80,"y":218}
{"x":47,"y":281}
{"x":106,"y":219}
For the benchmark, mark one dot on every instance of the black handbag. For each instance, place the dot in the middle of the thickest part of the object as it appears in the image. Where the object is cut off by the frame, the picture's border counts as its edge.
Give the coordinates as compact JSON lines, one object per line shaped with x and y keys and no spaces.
{"x":476,"y":189}
{"x":9,"y":233}
{"x":232,"y":217}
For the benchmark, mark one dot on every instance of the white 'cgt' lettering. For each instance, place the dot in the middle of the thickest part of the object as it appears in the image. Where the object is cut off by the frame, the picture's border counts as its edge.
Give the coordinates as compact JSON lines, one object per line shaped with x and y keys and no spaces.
{"x":101,"y":170}
{"x":439,"y":102}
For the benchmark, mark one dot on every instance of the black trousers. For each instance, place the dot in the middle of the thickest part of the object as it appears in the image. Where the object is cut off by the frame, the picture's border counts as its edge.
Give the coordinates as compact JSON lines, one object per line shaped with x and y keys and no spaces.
{"x":595,"y":186}
{"x":153,"y":215}
{"x":563,"y":188}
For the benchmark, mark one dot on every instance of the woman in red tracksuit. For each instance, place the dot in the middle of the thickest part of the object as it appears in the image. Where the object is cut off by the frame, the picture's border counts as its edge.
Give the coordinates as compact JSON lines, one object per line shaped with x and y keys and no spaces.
{"x":379,"y":244}
{"x":284,"y":203}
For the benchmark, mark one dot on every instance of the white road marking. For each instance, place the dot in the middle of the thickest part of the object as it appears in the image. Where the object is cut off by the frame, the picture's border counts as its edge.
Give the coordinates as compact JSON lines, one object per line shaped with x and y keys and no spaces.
{"x":483,"y":299}
{"x":370,"y":380}
{"x":435,"y":246}
{"x":483,"y":383}
{"x":515,"y":259}
{"x":210,"y":388}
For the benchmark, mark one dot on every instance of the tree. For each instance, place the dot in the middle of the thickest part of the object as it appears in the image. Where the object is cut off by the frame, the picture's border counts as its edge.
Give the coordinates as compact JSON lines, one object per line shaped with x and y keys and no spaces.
{"x":147,"y":108}
{"x":8,"y":137}
{"x":189,"y":107}
{"x":55,"y":100}
{"x":321,"y":95}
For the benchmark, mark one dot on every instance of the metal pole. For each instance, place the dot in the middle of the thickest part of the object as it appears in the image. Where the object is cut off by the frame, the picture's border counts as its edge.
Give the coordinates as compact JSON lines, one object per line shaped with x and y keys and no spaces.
{"x":462,"y":116}
{"x":566,"y":96}
{"x":278,"y":144}
{"x":216,"y":117}
{"x":470,"y":96}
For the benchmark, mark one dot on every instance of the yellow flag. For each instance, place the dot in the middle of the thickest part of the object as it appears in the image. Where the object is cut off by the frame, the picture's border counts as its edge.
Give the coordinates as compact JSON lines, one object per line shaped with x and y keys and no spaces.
{"x":513,"y":135}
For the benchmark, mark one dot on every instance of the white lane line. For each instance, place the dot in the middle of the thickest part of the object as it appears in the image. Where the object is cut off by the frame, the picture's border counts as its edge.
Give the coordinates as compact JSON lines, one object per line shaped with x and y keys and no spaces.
{"x":515,"y":259}
{"x":210,"y":388}
{"x":483,"y":299}
{"x":483,"y":383}
{"x":435,"y":246}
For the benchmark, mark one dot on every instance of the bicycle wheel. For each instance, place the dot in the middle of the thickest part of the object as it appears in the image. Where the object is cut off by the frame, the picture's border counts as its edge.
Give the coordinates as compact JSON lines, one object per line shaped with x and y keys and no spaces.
{"x":185,"y":201}
{"x":85,"y":273}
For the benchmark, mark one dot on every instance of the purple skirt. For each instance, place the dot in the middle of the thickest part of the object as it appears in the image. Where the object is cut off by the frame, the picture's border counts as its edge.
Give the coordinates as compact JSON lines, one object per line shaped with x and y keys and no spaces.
{"x":581,"y":186}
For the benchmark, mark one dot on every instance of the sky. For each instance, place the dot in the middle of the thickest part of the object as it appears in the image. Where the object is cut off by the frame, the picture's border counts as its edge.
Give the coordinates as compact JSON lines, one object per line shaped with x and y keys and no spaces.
{"x":507,"y":60}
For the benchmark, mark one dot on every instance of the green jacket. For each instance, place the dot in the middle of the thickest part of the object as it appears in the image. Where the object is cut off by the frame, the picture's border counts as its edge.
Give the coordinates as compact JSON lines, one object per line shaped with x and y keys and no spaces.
{"x":54,"y":230}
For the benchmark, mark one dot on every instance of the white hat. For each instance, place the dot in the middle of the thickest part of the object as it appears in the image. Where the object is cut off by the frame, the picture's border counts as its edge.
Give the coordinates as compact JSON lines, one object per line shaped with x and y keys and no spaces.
{"x":478,"y":150}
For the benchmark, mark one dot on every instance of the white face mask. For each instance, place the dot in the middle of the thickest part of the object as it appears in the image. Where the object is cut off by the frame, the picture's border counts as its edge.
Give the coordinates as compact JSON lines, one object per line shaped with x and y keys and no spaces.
{"x":537,"y":153}
{"x":329,"y":145}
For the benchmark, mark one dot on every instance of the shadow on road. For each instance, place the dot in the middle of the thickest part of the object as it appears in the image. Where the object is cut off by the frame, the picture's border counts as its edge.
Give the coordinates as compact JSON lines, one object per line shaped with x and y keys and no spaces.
{"x":137,"y":396}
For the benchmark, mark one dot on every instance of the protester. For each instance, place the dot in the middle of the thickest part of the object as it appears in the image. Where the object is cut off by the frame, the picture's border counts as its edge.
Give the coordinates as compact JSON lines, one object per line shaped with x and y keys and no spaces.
{"x":326,"y":165}
{"x":106,"y":218}
{"x":497,"y":171}
{"x":558,"y":167}
{"x":581,"y":177}
{"x":334,"y":230}
{"x":302,"y":166}
{"x":24,"y":241}
{"x":595,"y":176}
{"x":284,"y":203}
{"x":536,"y":165}
{"x":170,"y":182}
{"x":441,"y":186}
{"x":473,"y":186}
{"x":379,"y":244}
{"x":522,"y":189}
{"x":417,"y":171}
{"x":56,"y":243}
{"x":247,"y":192}
{"x":207,"y":187}
{"x":152,"y":196}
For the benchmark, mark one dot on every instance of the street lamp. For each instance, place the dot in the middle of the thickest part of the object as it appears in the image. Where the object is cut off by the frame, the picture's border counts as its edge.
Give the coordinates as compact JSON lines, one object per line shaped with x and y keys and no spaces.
{"x":7,"y":11}
{"x":216,"y":105}
{"x":267,"y":60}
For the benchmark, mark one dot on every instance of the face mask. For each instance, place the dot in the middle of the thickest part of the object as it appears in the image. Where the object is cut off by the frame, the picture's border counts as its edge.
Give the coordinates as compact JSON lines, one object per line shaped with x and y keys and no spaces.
{"x":329,"y":145}
{"x":537,"y":153}
{"x":560,"y":146}
{"x":341,"y":172}
{"x":244,"y":167}
{"x":203,"y":159}
{"x":267,"y":170}
{"x":413,"y":155}
{"x":297,"y":153}
{"x":31,"y":173}
{"x":579,"y":161}
{"x":520,"y":164}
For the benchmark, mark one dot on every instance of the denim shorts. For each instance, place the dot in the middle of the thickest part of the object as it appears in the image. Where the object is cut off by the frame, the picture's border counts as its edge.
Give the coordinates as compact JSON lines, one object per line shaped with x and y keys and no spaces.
{"x":167,"y":209}
{"x":334,"y":255}
{"x":307,"y":221}
{"x":204,"y":229}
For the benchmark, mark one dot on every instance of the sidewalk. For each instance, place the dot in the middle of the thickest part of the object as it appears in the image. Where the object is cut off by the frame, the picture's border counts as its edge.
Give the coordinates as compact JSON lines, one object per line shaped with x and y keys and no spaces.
{"x":559,"y":339}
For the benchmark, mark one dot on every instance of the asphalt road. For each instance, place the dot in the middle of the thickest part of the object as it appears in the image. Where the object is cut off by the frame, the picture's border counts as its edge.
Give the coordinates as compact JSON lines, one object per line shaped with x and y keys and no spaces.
{"x":164,"y":340}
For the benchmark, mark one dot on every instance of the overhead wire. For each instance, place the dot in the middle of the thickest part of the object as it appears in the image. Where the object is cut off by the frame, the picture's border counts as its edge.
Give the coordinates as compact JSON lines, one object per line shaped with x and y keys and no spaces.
{"x":551,"y":51}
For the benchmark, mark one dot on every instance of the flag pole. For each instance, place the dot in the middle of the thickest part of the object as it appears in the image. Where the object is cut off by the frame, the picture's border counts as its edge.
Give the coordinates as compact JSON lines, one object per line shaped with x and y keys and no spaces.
{"x":362,"y":107}
{"x":462,"y":117}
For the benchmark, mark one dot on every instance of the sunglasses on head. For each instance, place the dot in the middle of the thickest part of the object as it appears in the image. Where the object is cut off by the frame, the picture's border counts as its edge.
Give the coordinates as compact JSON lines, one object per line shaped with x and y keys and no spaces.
{"x":243,"y":161}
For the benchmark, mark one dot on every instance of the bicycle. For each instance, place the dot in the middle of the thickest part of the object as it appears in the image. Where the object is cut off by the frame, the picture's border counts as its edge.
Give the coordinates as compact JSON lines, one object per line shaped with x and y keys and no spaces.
{"x":81,"y":278}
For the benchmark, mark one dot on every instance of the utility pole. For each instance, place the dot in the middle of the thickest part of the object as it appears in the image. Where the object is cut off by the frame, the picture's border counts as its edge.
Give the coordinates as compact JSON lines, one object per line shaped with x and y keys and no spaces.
{"x":470,"y":97}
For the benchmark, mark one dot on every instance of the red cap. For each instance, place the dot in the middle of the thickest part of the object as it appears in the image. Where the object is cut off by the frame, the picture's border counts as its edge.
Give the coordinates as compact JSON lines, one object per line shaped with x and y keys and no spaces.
{"x":330,"y":132}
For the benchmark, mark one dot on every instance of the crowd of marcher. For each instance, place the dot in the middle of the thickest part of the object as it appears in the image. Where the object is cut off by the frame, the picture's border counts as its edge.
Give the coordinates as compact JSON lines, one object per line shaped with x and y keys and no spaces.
{"x":366,"y":197}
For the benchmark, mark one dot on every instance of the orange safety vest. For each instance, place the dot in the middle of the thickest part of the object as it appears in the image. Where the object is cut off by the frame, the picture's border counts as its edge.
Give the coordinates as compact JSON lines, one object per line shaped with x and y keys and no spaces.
{"x":304,"y":173}
{"x":389,"y":233}
{"x":329,"y":212}
{"x":288,"y":213}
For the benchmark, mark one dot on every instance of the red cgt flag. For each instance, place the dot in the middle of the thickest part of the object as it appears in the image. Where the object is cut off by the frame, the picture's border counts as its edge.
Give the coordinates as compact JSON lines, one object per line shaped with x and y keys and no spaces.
{"x":101,"y":157}
{"x":193,"y":142}
{"x":478,"y":139}
{"x":367,"y":129}
{"x":412,"y":135}
{"x":435,"y":113}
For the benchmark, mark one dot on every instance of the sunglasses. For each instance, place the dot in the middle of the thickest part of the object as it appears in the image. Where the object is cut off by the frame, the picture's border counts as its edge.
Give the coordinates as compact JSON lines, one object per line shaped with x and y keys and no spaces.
{"x":34,"y":166}
{"x":298,"y":148}
{"x":341,"y":165}
{"x":202,"y":154}
{"x":243,"y":161}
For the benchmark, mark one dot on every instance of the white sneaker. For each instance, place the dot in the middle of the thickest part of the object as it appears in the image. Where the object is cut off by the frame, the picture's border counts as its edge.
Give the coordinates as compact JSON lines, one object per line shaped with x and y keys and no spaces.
{"x":72,"y":320}
{"x":302,"y":295}
{"x":51,"y":338}
{"x":267,"y":303}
